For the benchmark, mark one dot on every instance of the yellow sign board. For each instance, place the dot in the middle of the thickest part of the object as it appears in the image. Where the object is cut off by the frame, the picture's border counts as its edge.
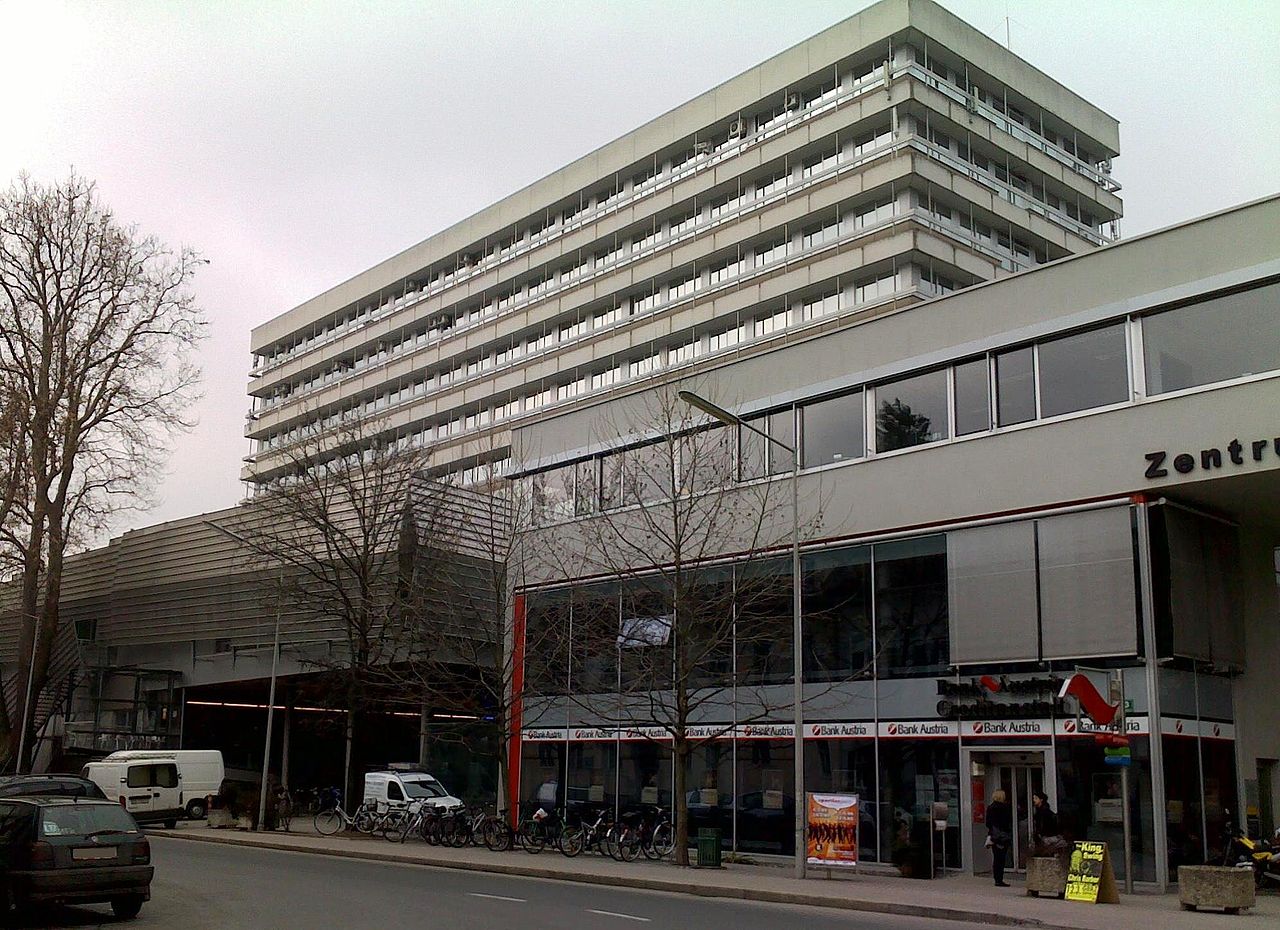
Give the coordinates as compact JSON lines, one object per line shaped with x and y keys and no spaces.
{"x":1090,"y":877}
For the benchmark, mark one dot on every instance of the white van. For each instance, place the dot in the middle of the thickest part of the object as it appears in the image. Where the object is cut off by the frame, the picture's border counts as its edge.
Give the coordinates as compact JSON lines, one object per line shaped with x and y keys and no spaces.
{"x":149,"y":789}
{"x":201,"y":772}
{"x":402,"y":787}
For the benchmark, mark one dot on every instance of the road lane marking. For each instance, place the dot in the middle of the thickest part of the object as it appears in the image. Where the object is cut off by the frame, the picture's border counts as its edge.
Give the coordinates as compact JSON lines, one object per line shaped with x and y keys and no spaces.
{"x":591,"y":910}
{"x":498,"y":897}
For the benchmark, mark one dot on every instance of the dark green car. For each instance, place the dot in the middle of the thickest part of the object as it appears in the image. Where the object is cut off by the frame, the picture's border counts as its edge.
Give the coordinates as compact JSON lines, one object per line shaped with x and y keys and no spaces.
{"x":73,"y":851}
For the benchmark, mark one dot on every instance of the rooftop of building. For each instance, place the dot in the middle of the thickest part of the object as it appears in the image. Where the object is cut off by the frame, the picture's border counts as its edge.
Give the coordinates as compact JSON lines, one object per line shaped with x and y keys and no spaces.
{"x":875,"y":24}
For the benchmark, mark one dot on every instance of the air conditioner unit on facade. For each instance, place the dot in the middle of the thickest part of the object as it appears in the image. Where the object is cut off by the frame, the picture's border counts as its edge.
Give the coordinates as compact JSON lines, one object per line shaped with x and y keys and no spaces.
{"x":738,"y":129}
{"x":793,"y":102}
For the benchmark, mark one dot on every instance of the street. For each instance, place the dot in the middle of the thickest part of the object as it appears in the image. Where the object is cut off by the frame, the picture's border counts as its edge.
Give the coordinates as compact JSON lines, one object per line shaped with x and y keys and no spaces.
{"x":200,"y":886}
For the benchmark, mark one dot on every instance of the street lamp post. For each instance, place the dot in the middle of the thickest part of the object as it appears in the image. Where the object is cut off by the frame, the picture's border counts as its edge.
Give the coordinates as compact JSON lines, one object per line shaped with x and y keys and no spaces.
{"x":271,"y":697}
{"x":797,"y":656}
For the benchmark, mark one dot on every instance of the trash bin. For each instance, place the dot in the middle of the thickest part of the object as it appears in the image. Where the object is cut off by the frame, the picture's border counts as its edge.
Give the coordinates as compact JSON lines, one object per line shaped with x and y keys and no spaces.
{"x":709,"y":849}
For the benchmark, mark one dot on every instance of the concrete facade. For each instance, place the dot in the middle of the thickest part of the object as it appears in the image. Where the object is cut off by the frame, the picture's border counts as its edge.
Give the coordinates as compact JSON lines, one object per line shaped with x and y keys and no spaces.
{"x":896,"y":156}
{"x":1193,"y":630}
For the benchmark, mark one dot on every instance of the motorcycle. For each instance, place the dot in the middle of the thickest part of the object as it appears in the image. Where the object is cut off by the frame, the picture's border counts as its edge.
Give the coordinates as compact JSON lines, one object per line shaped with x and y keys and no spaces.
{"x":1258,"y":855}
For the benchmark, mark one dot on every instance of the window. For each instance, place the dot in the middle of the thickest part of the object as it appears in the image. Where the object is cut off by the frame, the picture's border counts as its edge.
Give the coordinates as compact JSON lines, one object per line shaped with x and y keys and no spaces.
{"x":911,"y":607}
{"x":821,"y":306}
{"x":833,"y":430}
{"x":911,"y":412}
{"x":771,"y":252}
{"x":973,"y":397}
{"x":1215,"y":340}
{"x":553,"y":495}
{"x":837,"y":613}
{"x":752,"y":450}
{"x":1015,"y":387}
{"x":828,"y":233}
{"x":782,"y":428}
{"x":393,"y":792}
{"x":1085,"y":370}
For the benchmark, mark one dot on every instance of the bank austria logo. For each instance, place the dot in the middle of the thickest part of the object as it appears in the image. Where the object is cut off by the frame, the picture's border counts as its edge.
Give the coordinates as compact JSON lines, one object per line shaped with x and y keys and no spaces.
{"x":1069,"y":726}
{"x":905,"y":729}
{"x":840,"y":729}
{"x":544,"y":735}
{"x":1009,"y":727}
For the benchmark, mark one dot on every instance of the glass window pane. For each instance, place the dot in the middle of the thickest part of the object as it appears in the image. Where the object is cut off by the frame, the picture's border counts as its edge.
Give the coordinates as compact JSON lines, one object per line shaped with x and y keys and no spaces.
{"x":912,"y":633}
{"x":553,"y":495}
{"x":911,"y":412}
{"x":1082,"y":371}
{"x":763,"y":598}
{"x":752,"y":451}
{"x":611,"y":478}
{"x":782,"y":427}
{"x":1216,"y":340}
{"x":973,"y":397}
{"x":833,"y":430}
{"x":837,"y":614}
{"x":1015,"y":387}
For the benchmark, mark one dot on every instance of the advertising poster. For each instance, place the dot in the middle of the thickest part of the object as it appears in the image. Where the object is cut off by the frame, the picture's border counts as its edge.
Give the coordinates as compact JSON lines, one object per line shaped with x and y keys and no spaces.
{"x":833,"y":829}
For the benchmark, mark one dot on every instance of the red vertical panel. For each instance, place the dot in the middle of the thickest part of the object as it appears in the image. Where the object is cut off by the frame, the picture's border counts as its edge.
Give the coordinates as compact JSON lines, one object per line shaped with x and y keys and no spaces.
{"x":517,"y":708}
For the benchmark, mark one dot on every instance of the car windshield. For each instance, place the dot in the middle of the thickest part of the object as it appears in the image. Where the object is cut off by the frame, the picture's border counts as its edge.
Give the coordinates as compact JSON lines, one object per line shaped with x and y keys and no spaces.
{"x":424,"y":788}
{"x":82,"y":819}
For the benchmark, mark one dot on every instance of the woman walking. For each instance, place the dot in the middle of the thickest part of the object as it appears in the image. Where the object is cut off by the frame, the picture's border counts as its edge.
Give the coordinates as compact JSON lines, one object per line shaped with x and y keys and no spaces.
{"x":999,"y":834}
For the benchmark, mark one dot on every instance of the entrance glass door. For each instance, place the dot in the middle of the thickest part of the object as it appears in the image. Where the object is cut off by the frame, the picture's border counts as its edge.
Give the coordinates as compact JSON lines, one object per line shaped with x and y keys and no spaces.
{"x":1020,"y":782}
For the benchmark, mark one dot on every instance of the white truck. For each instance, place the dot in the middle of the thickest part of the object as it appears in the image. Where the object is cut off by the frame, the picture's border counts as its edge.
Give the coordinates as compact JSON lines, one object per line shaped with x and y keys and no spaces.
{"x":199,"y":776}
{"x":400,"y":787}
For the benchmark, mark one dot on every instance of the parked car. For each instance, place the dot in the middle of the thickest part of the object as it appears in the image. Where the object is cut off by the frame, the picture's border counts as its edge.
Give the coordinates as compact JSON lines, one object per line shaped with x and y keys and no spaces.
{"x":200,"y":770}
{"x":73,"y":851}
{"x":403,"y":786}
{"x":150,"y":790}
{"x":64,"y":786}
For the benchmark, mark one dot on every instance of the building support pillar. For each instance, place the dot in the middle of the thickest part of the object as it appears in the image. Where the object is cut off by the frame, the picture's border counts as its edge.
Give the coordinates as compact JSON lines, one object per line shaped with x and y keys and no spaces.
{"x":1159,"y":825}
{"x":424,"y":736}
{"x":284,"y":739}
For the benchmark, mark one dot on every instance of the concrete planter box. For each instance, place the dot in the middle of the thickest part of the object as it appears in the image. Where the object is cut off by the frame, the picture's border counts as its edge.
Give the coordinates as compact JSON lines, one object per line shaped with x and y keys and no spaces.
{"x":1046,"y":876}
{"x":1215,"y":886}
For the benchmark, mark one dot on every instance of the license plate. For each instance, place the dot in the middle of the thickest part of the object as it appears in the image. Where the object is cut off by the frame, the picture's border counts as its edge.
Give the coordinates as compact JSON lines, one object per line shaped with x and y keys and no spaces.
{"x":94,"y":852}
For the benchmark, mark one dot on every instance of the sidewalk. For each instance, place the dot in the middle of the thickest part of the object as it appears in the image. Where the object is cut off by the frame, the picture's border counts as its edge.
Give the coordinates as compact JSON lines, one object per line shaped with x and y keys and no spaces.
{"x":955,"y":898}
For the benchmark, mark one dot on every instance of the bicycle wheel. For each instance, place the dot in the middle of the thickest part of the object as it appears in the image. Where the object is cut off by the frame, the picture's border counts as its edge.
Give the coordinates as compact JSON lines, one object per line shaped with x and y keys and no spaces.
{"x":662,"y":841}
{"x":461,"y":835}
{"x":365,"y":821}
{"x":328,"y":822}
{"x":612,"y":844}
{"x":495,"y":835}
{"x":572,"y":840}
{"x":629,"y":845}
{"x":532,"y":837}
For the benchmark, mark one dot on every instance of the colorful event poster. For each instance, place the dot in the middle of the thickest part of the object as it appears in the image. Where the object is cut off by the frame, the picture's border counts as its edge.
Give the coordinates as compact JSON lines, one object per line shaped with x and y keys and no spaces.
{"x":833,"y":829}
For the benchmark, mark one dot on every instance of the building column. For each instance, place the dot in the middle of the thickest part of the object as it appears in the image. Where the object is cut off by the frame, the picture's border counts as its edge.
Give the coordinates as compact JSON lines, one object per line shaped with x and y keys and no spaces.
{"x":424,"y":735}
{"x":284,"y":739}
{"x":1159,"y":824}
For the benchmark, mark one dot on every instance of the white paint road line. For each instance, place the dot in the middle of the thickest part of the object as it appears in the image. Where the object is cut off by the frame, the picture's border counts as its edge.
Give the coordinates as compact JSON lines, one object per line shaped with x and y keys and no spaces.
{"x":498,"y":897}
{"x":615,"y":914}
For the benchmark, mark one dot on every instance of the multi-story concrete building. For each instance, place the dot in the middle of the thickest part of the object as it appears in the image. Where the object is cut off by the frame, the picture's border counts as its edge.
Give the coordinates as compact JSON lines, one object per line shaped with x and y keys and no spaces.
{"x":897,"y":156}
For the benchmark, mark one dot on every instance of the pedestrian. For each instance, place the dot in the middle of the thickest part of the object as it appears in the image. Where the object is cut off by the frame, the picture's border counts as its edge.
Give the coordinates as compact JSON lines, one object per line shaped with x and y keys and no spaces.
{"x":1044,"y":825}
{"x":999,"y":834}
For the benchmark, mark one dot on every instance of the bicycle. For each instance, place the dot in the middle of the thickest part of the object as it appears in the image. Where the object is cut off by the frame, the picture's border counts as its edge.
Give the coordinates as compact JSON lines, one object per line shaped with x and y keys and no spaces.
{"x":496,"y":832}
{"x":334,"y":819}
{"x":576,"y":839}
{"x":542,"y":829}
{"x":657,"y":835}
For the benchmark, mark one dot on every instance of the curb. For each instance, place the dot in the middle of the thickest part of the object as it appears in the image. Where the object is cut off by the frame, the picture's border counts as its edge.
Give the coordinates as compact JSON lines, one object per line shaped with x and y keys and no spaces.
{"x":644,"y":883}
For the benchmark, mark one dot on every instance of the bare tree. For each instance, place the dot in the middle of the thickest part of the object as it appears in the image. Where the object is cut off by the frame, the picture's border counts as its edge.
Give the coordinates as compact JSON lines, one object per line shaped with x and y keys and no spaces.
{"x":691,"y":634}
{"x":97,"y":325}
{"x":331,"y":521}
{"x":454,"y":650}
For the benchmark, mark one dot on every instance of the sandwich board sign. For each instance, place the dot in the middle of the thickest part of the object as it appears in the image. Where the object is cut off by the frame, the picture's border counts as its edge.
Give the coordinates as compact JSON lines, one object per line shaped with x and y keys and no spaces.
{"x":1090,"y":877}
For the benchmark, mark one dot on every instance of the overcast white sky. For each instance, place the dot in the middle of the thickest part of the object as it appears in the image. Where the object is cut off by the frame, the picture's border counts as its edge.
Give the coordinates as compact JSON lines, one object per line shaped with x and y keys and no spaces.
{"x":297,"y":143}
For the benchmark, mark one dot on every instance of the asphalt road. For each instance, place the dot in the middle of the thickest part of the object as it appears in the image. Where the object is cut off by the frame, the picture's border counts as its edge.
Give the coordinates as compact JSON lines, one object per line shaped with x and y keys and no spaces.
{"x":201,"y":886}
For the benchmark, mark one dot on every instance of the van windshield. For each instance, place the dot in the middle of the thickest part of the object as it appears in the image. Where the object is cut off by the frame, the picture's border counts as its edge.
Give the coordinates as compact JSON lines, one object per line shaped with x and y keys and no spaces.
{"x":424,"y":788}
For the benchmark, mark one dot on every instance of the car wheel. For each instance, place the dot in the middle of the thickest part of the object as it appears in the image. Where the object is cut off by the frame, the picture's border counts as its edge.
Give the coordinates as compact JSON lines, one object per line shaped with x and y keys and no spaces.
{"x":127,"y":908}
{"x":196,"y":809}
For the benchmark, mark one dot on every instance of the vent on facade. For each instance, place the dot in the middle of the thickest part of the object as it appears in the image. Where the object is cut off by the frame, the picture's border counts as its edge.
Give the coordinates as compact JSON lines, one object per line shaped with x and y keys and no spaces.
{"x":1105,"y":167}
{"x":793,"y":102}
{"x":738,"y":129}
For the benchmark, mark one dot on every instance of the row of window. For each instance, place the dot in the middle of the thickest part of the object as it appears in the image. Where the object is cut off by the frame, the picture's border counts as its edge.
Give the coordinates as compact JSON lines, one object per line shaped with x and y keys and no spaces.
{"x":1211,"y":341}
{"x":474,"y":262}
{"x":719,"y":336}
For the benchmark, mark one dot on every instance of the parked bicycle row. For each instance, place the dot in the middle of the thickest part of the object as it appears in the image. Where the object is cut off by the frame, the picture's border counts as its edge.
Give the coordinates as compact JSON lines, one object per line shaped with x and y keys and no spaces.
{"x":647,"y":833}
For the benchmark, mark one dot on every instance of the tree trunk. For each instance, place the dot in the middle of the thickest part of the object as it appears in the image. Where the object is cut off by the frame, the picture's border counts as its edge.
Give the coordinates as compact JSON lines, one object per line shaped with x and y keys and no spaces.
{"x":348,"y":787}
{"x":680,"y":758}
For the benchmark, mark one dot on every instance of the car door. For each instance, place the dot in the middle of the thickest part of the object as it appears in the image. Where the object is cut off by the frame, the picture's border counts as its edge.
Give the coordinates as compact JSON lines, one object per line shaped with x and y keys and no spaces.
{"x":166,"y":787}
{"x":138,"y":789}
